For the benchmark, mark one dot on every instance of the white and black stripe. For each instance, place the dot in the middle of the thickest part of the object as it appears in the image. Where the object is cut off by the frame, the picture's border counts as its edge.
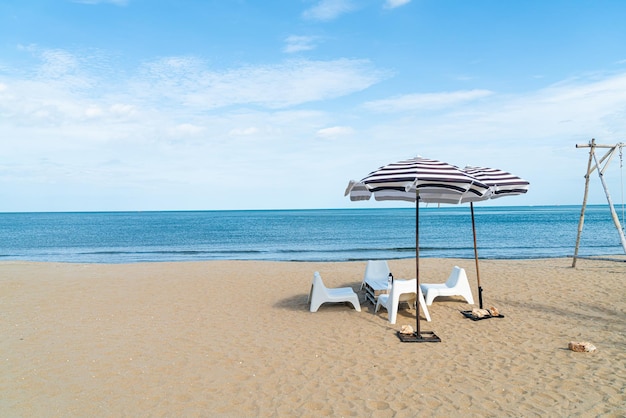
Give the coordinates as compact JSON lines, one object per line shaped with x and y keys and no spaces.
{"x":502,"y":183}
{"x":435,"y":181}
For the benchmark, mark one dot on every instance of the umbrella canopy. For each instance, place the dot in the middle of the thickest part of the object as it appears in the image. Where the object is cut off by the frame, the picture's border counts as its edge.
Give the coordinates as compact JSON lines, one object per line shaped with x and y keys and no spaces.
{"x":419,"y":180}
{"x":436,"y":182}
{"x":501,"y":184}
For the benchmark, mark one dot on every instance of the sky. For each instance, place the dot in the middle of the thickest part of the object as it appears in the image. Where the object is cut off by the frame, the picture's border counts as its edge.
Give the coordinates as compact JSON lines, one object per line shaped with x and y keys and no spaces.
{"x":137,"y":105}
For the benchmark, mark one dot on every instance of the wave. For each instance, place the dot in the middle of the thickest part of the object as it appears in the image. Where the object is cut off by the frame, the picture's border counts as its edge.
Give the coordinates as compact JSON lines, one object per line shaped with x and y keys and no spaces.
{"x":168,"y":252}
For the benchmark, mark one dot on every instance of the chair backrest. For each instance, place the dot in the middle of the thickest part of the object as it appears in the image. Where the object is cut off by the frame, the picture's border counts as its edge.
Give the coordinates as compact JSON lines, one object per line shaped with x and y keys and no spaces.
{"x":376,"y":270}
{"x":454,"y":277}
{"x":403,"y":290}
{"x":317,"y":286}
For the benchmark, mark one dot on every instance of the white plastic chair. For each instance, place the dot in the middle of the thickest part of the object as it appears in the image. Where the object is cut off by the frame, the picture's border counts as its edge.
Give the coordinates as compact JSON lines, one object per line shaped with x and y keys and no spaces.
{"x":321,"y":294}
{"x":456,"y":285}
{"x":401,"y":291}
{"x":376,"y":274}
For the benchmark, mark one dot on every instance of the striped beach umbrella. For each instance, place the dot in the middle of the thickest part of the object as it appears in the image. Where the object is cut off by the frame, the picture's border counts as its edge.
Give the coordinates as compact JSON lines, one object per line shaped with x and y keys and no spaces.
{"x":418,"y":180}
{"x":436,"y":182}
{"x":501,"y":184}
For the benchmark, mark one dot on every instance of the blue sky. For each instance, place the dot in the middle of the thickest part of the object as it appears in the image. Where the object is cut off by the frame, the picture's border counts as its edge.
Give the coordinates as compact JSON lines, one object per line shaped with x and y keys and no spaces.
{"x":242,"y":104}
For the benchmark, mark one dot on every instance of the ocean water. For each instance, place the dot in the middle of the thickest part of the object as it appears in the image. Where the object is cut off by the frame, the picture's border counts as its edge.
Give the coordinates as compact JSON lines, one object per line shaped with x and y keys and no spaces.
{"x":305,"y":235}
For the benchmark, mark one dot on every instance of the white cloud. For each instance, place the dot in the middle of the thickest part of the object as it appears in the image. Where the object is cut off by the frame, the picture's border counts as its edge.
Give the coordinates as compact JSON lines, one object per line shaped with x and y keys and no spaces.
{"x":335,"y":131}
{"x":289,"y":83}
{"x":57,"y":63}
{"x":583,"y":107}
{"x":121,"y":109}
{"x":326,"y":10}
{"x":69,"y":89}
{"x":244,"y":131}
{"x":188,"y":129}
{"x":93,"y":111}
{"x":300,"y":43}
{"x":173,"y":125}
{"x":426,"y":101}
{"x":578,"y":106}
{"x":392,"y":4}
{"x":115,"y":111}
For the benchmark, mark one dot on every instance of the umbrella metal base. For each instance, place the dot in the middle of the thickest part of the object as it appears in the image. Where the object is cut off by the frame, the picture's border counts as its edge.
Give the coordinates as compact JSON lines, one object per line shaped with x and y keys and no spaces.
{"x":468,"y":314}
{"x":423,"y":337}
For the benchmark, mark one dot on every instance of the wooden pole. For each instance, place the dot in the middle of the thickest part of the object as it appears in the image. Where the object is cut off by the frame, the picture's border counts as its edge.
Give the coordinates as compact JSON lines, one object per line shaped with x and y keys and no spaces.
{"x":581,"y":221}
{"x":480,"y":289}
{"x":612,"y":208}
{"x":606,"y":159}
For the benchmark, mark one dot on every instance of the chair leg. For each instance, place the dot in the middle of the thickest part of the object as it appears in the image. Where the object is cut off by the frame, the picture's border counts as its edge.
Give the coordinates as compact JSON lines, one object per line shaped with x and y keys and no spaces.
{"x":393,"y":312}
{"x":430,"y":297}
{"x":424,"y":307}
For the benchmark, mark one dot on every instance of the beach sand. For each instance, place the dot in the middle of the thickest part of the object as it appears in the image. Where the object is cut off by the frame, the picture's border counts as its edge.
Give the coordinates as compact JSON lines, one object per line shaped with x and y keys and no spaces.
{"x":235,"y":338}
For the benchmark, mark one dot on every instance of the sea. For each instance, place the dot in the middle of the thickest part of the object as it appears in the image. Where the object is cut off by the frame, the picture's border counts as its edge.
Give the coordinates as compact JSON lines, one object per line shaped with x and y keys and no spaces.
{"x":508,"y":232}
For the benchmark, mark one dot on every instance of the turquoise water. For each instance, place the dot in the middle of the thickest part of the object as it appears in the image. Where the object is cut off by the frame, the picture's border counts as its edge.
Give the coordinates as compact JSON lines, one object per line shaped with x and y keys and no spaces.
{"x":304,"y":235}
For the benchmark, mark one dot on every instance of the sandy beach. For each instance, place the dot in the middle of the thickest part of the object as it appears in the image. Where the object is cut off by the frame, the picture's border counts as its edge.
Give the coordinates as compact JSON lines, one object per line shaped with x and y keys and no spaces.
{"x":236,"y":339}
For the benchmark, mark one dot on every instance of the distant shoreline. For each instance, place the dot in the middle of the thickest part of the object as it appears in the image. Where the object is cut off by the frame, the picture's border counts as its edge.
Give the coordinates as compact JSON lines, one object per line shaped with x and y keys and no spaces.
{"x":483,"y":205}
{"x":606,"y":257}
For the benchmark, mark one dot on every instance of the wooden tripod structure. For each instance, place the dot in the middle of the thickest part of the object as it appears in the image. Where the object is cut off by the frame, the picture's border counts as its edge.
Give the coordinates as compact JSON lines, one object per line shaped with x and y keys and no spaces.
{"x":606,"y":159}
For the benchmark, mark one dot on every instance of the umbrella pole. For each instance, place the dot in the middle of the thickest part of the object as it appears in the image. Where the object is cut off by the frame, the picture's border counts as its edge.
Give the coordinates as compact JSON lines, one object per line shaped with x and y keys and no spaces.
{"x":417,"y":263}
{"x":417,"y":336}
{"x":480,"y":289}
